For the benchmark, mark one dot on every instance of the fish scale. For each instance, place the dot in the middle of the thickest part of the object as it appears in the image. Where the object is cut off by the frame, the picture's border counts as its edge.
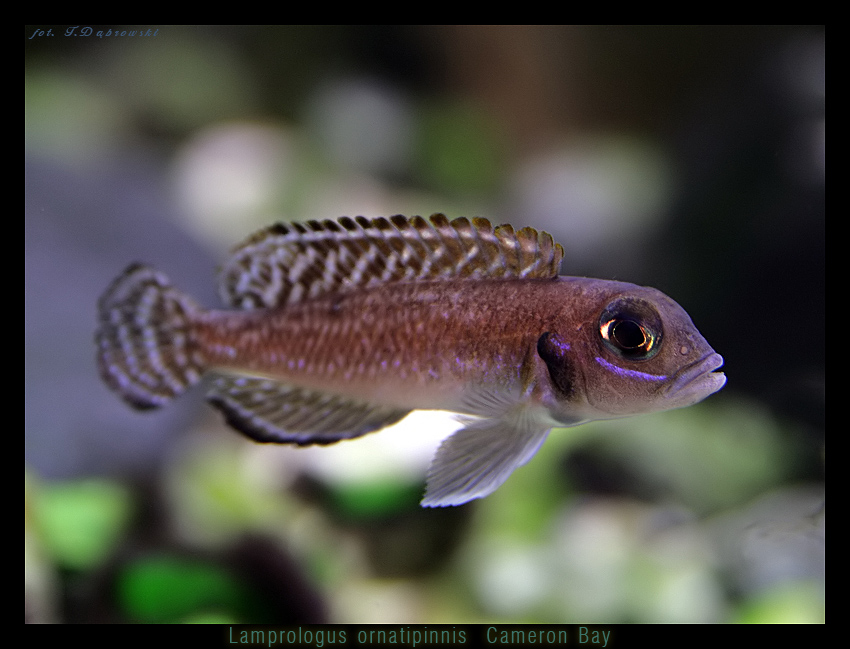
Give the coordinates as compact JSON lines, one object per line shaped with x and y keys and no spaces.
{"x":339,"y":328}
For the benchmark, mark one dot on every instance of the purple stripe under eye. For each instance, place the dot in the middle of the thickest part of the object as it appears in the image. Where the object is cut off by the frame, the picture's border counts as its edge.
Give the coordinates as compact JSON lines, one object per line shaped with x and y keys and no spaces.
{"x":632,"y":374}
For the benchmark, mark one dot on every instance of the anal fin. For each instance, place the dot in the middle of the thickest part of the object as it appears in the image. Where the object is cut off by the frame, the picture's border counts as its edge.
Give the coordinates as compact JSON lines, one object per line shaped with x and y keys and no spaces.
{"x":268,"y":411}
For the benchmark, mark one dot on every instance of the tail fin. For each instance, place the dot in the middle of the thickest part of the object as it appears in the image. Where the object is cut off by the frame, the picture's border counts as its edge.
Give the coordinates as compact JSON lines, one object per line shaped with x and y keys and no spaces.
{"x":146,"y":351}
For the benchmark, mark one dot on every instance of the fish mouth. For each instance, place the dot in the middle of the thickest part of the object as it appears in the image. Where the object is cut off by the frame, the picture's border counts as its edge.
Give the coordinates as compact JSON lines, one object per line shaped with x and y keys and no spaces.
{"x":696,"y":381}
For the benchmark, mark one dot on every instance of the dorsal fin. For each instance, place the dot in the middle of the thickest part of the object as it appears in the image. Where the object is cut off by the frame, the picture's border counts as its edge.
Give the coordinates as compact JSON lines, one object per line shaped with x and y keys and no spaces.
{"x":287,"y":263}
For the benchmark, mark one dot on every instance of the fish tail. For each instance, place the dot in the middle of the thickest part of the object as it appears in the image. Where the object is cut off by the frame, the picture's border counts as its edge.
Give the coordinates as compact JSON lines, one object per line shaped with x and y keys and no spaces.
{"x":146,"y":347}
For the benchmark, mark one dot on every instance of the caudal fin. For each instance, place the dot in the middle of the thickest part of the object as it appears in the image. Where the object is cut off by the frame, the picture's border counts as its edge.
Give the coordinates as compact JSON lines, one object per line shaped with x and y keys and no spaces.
{"x":146,"y":351}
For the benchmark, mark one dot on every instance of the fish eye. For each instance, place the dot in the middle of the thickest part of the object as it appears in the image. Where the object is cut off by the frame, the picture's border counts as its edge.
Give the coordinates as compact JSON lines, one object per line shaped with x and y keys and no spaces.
{"x":631,"y":328}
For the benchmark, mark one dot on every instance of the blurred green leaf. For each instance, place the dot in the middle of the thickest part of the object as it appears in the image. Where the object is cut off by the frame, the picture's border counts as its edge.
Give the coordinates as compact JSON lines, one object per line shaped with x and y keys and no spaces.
{"x":170,"y":589}
{"x":80,"y":522}
{"x":375,"y":498}
{"x":794,"y":603}
{"x":460,"y":149}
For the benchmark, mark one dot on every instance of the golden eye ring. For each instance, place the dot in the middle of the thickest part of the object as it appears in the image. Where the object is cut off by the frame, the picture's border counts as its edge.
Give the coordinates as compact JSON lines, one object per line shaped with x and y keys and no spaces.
{"x":631,"y":328}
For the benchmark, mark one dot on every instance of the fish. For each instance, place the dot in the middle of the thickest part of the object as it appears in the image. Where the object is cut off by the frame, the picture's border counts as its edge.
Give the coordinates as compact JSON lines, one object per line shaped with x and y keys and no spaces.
{"x":338,"y":328}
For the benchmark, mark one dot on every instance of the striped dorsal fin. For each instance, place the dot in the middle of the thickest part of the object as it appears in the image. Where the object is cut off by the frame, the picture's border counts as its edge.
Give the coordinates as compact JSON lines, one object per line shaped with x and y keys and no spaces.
{"x":287,"y":263}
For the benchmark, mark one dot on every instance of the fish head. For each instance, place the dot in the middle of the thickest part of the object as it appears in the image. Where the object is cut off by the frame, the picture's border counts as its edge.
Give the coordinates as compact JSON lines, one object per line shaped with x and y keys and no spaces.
{"x":626,"y":350}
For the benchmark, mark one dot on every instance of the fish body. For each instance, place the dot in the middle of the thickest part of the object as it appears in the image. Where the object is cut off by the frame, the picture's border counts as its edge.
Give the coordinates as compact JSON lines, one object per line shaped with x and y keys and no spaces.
{"x":340,"y":328}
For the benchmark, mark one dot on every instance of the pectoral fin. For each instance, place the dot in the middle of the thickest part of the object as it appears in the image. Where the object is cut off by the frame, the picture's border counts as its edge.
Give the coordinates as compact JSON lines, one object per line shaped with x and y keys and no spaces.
{"x":477,"y":459}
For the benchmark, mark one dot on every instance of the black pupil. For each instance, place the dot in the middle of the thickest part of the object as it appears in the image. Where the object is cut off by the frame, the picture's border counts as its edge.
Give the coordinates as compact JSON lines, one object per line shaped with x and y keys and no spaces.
{"x":628,"y":334}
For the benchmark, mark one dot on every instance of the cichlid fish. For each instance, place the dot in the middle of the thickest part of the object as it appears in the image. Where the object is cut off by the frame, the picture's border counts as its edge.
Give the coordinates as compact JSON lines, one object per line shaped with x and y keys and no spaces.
{"x":340,"y":328}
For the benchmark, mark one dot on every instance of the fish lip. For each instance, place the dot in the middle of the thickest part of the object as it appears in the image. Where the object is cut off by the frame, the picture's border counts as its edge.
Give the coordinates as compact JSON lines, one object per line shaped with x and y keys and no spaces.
{"x":696,"y":381}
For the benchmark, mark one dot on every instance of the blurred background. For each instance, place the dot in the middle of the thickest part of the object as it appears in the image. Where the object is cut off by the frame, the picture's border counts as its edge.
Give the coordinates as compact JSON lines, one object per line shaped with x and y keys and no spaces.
{"x":691,"y":159}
